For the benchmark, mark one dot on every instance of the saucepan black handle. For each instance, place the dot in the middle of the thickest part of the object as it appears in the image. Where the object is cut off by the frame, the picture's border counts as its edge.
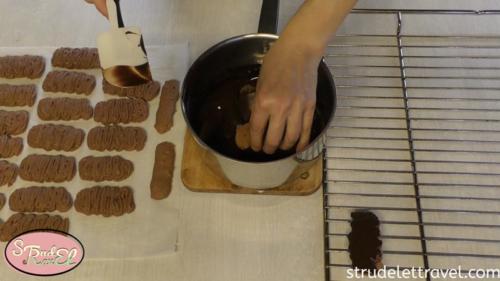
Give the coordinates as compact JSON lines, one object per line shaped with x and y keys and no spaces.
{"x":269,"y":16}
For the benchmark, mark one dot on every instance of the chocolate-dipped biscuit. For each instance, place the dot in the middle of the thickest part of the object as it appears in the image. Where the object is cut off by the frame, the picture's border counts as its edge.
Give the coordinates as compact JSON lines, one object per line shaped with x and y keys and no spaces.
{"x":364,"y":243}
{"x":2,"y":200}
{"x":54,"y":109}
{"x":55,"y":137}
{"x":76,"y":58}
{"x":69,"y":82}
{"x":17,"y":95}
{"x":163,"y":171}
{"x":10,"y":146}
{"x":166,"y":109}
{"x":106,"y":168}
{"x":13,"y":122}
{"x":47,"y":168}
{"x":20,"y":222}
{"x":147,"y":91}
{"x":40,"y":199}
{"x":8,"y":173}
{"x":121,"y":111}
{"x":105,"y":200}
{"x":116,"y":138}
{"x":25,"y":66}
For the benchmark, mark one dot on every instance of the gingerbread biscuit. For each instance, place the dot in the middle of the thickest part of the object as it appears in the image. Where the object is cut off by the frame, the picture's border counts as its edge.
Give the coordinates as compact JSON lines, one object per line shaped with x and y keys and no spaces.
{"x":47,"y":168}
{"x":163,"y":172}
{"x":2,"y":200}
{"x":166,"y":109}
{"x":8,"y":173}
{"x":40,"y":199}
{"x":76,"y":58}
{"x":10,"y":146}
{"x":69,"y":82}
{"x":121,"y":111}
{"x":26,"y":66}
{"x":55,"y":137}
{"x":105,"y":200}
{"x":107,"y":168}
{"x":21,"y":222}
{"x":147,"y":91}
{"x":17,"y":95}
{"x":54,"y":109}
{"x":13,"y":122}
{"x":116,"y":138}
{"x":242,"y":137}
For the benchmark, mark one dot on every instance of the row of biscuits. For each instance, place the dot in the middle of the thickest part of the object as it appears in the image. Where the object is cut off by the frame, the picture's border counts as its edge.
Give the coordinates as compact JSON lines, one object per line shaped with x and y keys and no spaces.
{"x":67,"y":138}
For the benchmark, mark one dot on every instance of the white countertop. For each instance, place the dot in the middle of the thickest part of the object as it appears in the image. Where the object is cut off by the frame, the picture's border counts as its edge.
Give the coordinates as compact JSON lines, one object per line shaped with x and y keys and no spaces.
{"x":222,"y":237}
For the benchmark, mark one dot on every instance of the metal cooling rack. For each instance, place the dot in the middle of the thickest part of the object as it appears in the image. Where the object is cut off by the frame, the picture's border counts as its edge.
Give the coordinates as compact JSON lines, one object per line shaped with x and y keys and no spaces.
{"x":416,"y":139}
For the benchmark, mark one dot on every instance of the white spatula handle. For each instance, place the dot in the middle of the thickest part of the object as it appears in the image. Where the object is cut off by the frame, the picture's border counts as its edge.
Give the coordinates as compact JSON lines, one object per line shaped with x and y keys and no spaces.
{"x":114,"y":13}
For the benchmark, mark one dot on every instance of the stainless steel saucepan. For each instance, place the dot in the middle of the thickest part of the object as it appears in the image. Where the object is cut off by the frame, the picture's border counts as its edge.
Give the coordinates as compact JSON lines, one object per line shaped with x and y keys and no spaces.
{"x":216,"y":97}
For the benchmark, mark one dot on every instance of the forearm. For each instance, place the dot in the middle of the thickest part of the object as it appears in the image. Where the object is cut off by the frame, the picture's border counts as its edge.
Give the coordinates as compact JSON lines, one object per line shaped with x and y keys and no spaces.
{"x":315,"y":23}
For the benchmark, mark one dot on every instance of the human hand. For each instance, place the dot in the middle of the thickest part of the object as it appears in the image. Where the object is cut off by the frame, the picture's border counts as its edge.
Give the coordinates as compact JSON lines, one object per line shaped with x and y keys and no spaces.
{"x":100,"y":6}
{"x":286,"y":97}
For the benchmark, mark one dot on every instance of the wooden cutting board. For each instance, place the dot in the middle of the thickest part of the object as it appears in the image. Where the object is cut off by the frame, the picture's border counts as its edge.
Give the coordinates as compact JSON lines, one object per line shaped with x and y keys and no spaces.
{"x":201,"y":172}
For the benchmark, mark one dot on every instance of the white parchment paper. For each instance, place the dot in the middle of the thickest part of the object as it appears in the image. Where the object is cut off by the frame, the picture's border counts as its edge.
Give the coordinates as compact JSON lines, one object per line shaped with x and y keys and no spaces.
{"x":152,"y":229}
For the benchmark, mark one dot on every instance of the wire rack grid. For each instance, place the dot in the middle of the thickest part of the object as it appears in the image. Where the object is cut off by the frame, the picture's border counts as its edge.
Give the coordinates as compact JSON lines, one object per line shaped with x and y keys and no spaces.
{"x":416,"y":138}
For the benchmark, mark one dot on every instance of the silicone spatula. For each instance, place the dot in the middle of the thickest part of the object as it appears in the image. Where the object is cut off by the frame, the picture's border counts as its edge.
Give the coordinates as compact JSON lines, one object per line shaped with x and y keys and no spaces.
{"x":123,"y":58}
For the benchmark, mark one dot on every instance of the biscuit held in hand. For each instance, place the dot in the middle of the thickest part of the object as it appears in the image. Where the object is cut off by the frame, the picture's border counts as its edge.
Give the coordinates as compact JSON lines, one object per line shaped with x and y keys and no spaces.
{"x":163,"y":172}
{"x":242,"y":137}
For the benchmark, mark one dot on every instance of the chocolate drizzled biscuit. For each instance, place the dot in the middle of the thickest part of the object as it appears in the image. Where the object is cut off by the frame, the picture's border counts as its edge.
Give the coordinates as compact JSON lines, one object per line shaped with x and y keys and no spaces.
{"x":166,"y":109}
{"x":20,"y":223}
{"x":2,"y":200}
{"x":8,"y":173}
{"x":76,"y":58}
{"x":55,"y":137}
{"x":163,"y":172}
{"x":69,"y":82}
{"x":121,"y":111}
{"x":40,"y":199}
{"x":13,"y":122}
{"x":147,"y":91}
{"x":26,"y":66}
{"x":116,"y":138}
{"x":107,"y":168}
{"x":105,"y":200}
{"x":17,"y":95}
{"x":47,"y":168}
{"x":53,"y":109}
{"x":10,"y":146}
